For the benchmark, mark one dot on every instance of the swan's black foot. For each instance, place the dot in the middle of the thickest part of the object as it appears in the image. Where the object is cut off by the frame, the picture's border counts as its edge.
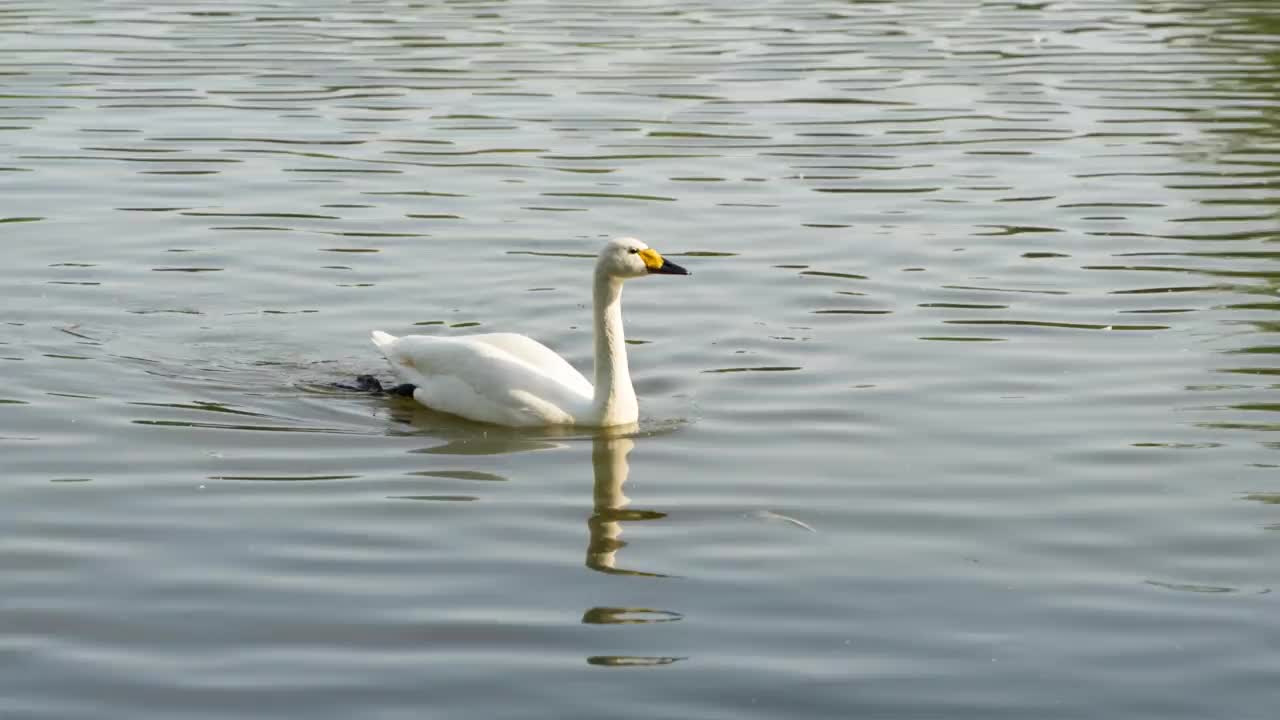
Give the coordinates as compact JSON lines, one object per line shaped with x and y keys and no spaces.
{"x":370,"y":384}
{"x":405,"y":390}
{"x":364,"y":383}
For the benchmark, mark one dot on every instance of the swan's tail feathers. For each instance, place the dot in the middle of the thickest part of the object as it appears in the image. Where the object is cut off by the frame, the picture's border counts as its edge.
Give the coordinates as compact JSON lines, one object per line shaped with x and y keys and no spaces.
{"x":382,"y":340}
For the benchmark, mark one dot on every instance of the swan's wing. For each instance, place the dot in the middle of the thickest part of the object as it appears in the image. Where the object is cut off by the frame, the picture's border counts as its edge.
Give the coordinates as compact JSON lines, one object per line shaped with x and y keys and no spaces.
{"x":538,"y":355}
{"x":482,"y":381}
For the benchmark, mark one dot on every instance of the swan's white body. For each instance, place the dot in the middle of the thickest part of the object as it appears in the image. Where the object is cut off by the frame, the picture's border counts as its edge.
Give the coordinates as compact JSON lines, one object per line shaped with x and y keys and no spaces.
{"x":513,"y":380}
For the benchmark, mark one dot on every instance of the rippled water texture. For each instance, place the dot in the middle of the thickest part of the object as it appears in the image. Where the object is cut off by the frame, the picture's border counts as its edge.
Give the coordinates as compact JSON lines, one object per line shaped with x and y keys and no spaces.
{"x":969,"y":409}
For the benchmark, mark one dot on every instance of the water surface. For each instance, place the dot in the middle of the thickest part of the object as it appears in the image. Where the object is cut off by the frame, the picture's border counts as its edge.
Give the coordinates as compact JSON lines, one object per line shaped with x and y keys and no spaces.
{"x":968,"y":409}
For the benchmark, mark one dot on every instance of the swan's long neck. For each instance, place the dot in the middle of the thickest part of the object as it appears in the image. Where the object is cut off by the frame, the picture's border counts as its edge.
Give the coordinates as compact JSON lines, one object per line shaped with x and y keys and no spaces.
{"x":615,"y":399}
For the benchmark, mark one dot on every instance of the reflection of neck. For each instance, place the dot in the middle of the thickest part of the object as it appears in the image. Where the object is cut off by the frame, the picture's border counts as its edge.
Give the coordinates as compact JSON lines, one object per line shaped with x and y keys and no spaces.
{"x":615,"y":398}
{"x":609,"y":460}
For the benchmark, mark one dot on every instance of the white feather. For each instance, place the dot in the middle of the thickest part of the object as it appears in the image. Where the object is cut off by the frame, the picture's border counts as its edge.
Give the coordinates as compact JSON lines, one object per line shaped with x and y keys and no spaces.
{"x":479,"y":379}
{"x":514,"y":380}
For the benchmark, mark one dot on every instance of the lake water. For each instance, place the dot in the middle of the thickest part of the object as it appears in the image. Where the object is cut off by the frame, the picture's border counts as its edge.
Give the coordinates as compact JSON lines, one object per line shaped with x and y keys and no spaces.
{"x":969,"y":409}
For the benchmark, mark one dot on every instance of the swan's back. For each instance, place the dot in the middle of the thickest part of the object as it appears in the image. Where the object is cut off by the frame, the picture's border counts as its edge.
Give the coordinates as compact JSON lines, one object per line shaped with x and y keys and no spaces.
{"x":539,"y":356}
{"x":500,"y":378}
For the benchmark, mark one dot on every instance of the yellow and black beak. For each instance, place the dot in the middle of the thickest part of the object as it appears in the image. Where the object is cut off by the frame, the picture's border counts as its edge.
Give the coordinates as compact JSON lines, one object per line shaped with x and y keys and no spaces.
{"x":658,"y":265}
{"x":669,"y":268}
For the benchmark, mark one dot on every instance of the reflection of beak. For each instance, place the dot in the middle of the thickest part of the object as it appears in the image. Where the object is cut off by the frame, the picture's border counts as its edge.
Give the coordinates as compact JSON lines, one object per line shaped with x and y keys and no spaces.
{"x":669,"y":268}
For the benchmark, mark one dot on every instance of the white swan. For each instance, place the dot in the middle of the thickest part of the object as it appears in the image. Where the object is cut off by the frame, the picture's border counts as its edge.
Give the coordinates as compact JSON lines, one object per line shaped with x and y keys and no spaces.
{"x":513,"y":380}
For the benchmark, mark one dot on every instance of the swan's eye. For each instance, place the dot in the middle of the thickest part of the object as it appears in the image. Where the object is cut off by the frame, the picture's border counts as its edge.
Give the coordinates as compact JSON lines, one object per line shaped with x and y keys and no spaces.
{"x":633,"y":251}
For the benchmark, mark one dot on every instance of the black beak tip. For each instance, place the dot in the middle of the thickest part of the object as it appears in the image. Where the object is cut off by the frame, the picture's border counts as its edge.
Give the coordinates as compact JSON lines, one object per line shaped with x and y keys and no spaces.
{"x":670,"y":268}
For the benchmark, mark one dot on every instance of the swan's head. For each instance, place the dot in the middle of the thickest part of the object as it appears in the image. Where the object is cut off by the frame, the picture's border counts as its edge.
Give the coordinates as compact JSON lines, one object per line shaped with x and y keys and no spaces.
{"x":629,"y":258}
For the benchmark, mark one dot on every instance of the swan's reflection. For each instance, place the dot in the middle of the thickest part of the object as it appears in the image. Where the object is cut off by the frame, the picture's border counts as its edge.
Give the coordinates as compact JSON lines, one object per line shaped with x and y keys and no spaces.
{"x":609,"y":452}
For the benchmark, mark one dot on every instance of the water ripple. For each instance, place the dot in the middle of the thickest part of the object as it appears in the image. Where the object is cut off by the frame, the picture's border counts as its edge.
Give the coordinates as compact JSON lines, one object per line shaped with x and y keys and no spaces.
{"x":984,"y":291}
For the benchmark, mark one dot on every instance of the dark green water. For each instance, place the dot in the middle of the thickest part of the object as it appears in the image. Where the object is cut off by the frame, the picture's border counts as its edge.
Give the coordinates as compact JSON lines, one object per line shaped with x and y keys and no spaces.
{"x":969,"y":409}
